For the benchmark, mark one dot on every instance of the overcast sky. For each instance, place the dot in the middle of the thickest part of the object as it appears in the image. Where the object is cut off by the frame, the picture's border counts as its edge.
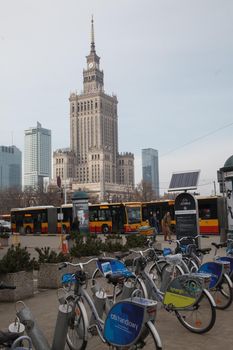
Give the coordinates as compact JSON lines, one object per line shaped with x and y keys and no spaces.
{"x":170,"y":63}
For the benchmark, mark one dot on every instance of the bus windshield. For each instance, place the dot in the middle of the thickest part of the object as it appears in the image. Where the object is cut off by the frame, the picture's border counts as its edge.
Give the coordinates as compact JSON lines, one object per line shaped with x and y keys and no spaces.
{"x":134,"y":215}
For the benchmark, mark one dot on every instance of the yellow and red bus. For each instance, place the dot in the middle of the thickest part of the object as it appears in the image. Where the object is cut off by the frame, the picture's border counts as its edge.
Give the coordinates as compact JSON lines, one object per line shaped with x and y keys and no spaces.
{"x":40,"y":219}
{"x":5,"y":217}
{"x":160,"y":207}
{"x":212,"y":212}
{"x":115,"y":217}
{"x":108,"y":217}
{"x":103,"y":218}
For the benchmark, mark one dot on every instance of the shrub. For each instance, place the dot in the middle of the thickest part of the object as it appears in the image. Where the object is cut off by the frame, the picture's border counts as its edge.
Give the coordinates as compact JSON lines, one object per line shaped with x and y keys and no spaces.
{"x":87,"y":246}
{"x":47,"y":255}
{"x":111,"y":247}
{"x":136,"y":240}
{"x":4,"y":235}
{"x":17,"y":259}
{"x":112,"y":236}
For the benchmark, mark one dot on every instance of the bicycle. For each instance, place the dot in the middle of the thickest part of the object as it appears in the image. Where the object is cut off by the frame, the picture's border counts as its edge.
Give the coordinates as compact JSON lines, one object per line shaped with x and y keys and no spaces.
{"x":125,"y":267}
{"x":185,"y":295}
{"x":14,"y":339}
{"x":128,"y":324}
{"x":220,"y":284}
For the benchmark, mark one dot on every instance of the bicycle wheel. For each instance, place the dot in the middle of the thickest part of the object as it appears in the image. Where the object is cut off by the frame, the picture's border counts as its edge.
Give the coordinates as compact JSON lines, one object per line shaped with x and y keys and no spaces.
{"x":149,"y":338}
{"x":191,"y":264}
{"x":78,"y":326}
{"x":223,"y":293}
{"x":155,"y":272}
{"x":200,"y":317}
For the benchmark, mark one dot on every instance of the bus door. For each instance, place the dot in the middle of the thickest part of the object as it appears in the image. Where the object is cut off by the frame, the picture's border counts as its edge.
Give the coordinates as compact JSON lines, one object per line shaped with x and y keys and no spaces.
{"x":117,"y":214}
{"x":37,"y":221}
{"x":115,"y":221}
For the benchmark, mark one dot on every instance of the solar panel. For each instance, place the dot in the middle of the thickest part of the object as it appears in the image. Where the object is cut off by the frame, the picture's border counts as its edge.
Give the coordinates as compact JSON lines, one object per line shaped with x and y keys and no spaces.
{"x":184,"y":181}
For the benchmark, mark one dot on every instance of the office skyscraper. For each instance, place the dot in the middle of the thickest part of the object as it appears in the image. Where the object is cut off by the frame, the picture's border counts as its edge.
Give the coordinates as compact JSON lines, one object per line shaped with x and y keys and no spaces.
{"x":10,"y":167}
{"x":37,"y":156}
{"x":150,"y":169}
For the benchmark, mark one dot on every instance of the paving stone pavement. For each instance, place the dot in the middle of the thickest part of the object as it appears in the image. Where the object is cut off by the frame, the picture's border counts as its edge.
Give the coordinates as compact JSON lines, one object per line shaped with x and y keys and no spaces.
{"x":173,"y":335}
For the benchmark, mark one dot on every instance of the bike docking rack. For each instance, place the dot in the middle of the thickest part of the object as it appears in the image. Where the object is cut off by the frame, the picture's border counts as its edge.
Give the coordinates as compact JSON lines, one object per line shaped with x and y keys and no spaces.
{"x":34,"y":332}
{"x":17,"y":328}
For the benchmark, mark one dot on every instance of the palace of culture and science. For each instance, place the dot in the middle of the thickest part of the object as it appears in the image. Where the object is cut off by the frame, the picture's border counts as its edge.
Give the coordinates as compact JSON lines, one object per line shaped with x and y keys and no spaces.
{"x":92,"y":163}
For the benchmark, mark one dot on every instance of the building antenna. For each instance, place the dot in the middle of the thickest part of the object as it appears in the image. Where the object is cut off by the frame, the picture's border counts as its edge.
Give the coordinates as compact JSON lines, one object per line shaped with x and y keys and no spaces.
{"x":12,"y":138}
{"x":92,"y":35}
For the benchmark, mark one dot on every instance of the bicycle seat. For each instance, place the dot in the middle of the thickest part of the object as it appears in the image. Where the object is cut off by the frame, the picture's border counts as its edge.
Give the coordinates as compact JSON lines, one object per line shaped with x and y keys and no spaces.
{"x":219,"y":245}
{"x":121,"y":255}
{"x":174,"y":259}
{"x":115,"y":278}
{"x":203,"y":250}
{"x":7,"y":337}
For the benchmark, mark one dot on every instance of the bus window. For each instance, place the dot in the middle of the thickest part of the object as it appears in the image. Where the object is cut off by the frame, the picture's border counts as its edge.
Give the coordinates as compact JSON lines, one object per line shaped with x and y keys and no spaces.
{"x":134,"y":215}
{"x":93,"y":214}
{"x":104,"y":215}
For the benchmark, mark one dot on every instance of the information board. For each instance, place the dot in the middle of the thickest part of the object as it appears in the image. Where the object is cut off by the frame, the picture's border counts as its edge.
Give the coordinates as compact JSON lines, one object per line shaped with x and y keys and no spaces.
{"x":186,"y":215}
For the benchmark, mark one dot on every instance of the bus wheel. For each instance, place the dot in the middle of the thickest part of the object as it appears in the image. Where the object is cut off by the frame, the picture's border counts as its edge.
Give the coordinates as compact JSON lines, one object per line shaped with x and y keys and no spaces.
{"x":105,"y":229}
{"x":28,"y":230}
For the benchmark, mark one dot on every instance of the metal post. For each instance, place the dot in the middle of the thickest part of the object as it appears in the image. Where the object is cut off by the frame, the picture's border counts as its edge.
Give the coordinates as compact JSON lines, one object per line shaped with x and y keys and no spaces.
{"x":33,"y":331}
{"x":223,"y":236}
{"x":59,"y":338}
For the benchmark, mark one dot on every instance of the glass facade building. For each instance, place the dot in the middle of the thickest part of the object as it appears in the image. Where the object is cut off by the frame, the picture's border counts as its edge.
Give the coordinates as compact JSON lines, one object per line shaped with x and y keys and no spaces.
{"x":150,"y":169}
{"x":10,"y":167}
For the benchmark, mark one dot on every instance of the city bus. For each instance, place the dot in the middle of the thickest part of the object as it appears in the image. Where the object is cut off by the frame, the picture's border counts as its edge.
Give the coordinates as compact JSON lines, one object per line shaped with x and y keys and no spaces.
{"x":5,"y":217}
{"x":115,"y":217}
{"x":36,"y":220}
{"x":212,"y":213}
{"x":107,"y":217}
{"x":160,"y":207}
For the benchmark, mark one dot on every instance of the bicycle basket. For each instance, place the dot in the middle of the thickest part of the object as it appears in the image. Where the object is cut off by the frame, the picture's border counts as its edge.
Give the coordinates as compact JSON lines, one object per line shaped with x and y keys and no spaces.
{"x":68,"y":278}
{"x":215,"y":270}
{"x":109,"y":266}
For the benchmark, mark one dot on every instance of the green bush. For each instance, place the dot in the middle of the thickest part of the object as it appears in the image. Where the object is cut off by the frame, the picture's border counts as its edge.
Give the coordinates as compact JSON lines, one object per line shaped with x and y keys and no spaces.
{"x":17,"y":259}
{"x":4,"y":234}
{"x":87,"y":246}
{"x":47,"y":255}
{"x":135,"y":240}
{"x":112,"y":236}
{"x":111,"y":247}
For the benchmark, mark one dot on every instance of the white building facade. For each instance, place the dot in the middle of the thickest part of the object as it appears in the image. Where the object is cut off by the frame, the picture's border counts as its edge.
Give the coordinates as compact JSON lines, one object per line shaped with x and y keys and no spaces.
{"x":37,"y":156}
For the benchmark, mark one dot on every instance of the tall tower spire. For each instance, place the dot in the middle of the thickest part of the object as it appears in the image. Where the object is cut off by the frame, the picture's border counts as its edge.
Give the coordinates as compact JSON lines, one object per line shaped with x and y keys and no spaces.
{"x":92,"y":35}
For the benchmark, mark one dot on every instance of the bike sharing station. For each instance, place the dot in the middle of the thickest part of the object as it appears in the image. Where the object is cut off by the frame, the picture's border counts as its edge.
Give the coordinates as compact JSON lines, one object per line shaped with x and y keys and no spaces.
{"x":186,"y":207}
{"x":225,"y":179}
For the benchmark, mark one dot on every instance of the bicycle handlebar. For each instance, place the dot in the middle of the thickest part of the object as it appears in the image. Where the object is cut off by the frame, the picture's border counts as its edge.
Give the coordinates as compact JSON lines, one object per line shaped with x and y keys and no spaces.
{"x":187,"y":237}
{"x":141,"y":252}
{"x":5,"y":286}
{"x":67,"y":263}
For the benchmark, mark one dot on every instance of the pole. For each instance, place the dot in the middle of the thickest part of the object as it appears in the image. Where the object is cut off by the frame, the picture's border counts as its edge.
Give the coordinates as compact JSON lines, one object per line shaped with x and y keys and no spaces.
{"x":61,"y":211}
{"x":223,"y":237}
{"x":65,"y":195}
{"x":214,"y":188}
